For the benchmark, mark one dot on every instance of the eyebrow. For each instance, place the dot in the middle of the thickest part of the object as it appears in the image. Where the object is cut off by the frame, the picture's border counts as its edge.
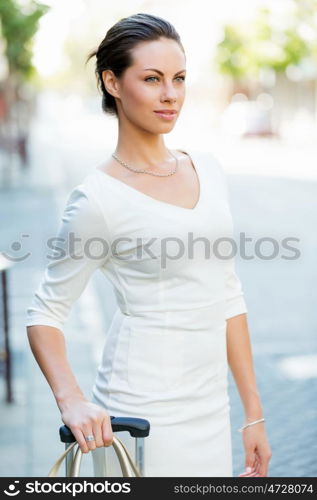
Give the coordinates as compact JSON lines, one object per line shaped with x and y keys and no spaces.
{"x":160,"y":72}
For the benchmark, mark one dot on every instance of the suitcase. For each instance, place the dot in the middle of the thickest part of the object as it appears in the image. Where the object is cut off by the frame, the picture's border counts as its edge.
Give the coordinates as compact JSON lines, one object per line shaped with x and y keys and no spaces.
{"x":138,"y":428}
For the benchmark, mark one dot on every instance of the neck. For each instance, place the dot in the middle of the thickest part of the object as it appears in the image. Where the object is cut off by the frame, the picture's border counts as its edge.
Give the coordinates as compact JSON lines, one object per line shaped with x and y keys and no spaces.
{"x":140,"y":147}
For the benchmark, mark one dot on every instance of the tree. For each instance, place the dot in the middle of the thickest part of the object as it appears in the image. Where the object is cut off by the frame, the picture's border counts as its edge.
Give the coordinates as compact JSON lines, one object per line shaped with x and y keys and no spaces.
{"x":18,"y":29}
{"x":245,"y":50}
{"x":18,"y":26}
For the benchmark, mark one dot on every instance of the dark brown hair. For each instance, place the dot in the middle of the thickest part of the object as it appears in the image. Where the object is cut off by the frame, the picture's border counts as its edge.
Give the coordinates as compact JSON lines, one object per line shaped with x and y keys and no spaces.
{"x":114,"y":52}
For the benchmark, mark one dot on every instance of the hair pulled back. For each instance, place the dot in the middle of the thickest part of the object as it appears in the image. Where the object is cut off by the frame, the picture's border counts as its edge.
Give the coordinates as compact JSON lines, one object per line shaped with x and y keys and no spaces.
{"x":115,"y":50}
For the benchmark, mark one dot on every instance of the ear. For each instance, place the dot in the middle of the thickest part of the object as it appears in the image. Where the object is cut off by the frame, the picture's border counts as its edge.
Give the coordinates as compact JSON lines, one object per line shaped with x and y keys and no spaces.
{"x":110,"y":82}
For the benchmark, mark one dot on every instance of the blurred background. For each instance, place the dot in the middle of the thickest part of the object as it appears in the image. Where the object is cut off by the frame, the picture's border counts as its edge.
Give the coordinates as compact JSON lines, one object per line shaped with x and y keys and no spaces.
{"x":251,"y":101}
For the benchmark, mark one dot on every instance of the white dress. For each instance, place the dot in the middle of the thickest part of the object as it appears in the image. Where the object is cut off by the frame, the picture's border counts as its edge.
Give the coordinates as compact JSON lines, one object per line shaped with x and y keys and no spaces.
{"x":165,"y":355}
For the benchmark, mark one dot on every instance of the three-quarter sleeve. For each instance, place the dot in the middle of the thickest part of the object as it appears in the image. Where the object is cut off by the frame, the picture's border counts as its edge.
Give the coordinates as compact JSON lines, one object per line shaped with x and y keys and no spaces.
{"x":80,"y":247}
{"x":235,"y":300}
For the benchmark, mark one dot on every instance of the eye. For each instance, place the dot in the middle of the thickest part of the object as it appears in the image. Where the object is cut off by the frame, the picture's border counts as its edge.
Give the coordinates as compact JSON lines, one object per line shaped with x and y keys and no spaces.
{"x":149,"y":78}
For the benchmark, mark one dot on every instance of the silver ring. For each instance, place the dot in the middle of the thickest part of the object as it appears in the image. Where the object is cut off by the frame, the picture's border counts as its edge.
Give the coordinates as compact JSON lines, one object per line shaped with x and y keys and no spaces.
{"x":90,"y":438}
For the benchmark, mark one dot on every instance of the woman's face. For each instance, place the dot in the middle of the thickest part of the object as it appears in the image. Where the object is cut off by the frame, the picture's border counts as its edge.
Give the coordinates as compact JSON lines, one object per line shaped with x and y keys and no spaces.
{"x":141,"y":92}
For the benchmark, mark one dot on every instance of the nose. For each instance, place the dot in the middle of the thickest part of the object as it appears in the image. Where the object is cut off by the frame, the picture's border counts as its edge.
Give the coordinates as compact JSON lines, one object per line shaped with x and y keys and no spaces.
{"x":169,"y":93}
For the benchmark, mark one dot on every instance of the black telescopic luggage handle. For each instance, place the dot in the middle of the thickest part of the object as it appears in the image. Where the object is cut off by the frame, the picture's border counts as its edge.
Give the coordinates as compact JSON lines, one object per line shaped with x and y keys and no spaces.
{"x":137,"y":427}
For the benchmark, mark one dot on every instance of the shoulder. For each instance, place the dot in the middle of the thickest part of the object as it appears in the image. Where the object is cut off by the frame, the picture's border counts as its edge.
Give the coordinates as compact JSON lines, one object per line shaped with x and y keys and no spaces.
{"x":214,"y":170}
{"x":207,"y":160}
{"x":213,"y":162}
{"x":80,"y":198}
{"x":82,"y":207}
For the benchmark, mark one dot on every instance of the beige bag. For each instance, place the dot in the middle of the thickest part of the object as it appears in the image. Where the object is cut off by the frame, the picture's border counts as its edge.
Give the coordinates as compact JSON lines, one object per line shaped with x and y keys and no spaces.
{"x":128,"y":467}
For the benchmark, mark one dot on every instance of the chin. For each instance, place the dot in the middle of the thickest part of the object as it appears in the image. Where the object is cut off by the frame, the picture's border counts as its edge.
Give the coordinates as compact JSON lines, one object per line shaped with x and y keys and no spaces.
{"x":161,"y":129}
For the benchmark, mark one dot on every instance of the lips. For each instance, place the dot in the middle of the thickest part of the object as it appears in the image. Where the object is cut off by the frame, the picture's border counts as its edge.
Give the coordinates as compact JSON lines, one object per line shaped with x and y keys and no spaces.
{"x":167,"y":115}
{"x":166,"y":112}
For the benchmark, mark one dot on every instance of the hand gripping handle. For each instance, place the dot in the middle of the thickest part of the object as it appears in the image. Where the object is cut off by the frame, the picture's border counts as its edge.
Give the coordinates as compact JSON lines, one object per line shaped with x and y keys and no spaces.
{"x":137,"y":427}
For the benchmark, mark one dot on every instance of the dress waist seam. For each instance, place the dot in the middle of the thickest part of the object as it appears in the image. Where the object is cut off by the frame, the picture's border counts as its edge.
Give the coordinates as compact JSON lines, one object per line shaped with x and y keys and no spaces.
{"x":144,"y":311}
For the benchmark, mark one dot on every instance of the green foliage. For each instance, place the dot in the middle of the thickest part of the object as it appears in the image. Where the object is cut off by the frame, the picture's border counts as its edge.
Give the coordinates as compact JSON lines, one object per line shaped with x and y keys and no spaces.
{"x":246,"y":49}
{"x":18,"y":29}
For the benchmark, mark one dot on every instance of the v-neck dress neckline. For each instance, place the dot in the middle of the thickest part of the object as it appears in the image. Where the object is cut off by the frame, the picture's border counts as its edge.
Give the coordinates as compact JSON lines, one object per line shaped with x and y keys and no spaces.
{"x":145,"y":198}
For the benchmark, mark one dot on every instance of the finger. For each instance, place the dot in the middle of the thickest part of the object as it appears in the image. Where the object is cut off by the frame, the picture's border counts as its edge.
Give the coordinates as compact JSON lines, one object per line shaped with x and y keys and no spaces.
{"x":257,"y":469}
{"x":263,"y":470}
{"x":107,"y":434}
{"x":257,"y":464}
{"x":254,"y":464}
{"x":97,"y":432}
{"x":250,"y":459}
{"x":263,"y":467}
{"x":250,"y":474}
{"x":87,"y":431}
{"x":80,"y":439}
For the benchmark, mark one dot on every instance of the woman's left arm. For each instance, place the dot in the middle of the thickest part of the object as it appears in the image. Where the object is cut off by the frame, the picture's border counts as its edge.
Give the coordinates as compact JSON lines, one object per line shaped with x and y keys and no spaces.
{"x":239,"y":354}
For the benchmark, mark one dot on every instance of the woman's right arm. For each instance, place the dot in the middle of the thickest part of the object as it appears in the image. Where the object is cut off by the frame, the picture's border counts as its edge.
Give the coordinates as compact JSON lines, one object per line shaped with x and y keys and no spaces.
{"x":63,"y":282}
{"x":81,"y":416}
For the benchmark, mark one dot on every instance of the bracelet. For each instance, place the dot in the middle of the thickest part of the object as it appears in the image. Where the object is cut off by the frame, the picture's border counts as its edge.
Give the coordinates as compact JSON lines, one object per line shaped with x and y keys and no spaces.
{"x":251,"y":423}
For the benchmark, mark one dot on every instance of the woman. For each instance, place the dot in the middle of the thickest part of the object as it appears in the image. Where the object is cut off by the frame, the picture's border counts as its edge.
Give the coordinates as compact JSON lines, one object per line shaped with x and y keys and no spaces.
{"x":181,"y":313}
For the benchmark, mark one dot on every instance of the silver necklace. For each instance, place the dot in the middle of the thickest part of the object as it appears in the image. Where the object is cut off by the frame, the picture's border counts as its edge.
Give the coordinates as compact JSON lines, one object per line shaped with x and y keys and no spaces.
{"x":148,"y":171}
